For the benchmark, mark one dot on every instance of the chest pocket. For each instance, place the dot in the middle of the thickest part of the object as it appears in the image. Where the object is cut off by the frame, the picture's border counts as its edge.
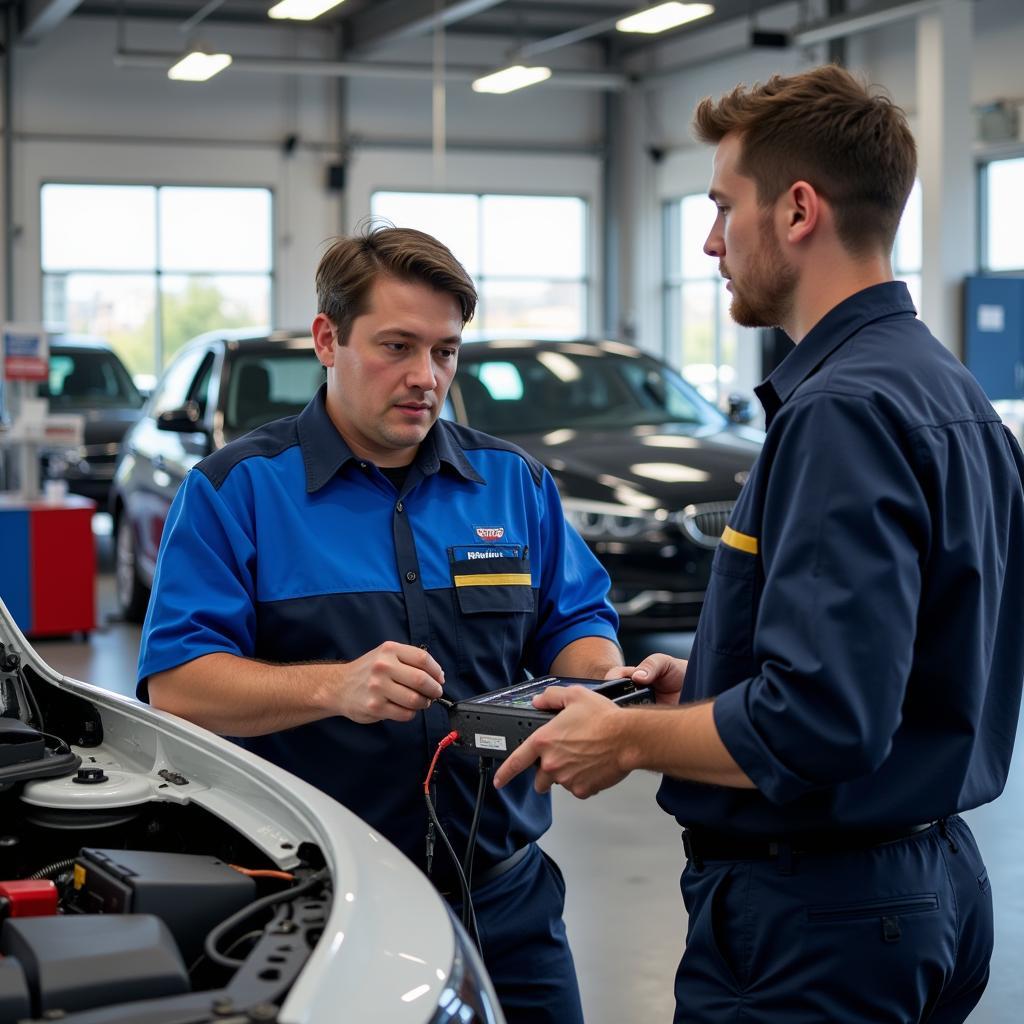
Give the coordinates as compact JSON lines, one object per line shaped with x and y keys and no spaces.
{"x":730,"y":607}
{"x":492,"y":579}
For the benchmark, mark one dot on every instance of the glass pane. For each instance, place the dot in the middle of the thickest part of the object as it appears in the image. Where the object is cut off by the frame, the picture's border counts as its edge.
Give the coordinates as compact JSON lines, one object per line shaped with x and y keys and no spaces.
{"x":699,"y":358}
{"x":534,"y":236}
{"x":1005,"y":215}
{"x":530,"y":309}
{"x":192,"y":305}
{"x":907,"y":250}
{"x":117,"y":307}
{"x":88,"y":379}
{"x":215,"y":229}
{"x":264,"y":386}
{"x":172,"y":392}
{"x":98,"y":227}
{"x":698,"y":215}
{"x":728,"y":346}
{"x":451,"y":218}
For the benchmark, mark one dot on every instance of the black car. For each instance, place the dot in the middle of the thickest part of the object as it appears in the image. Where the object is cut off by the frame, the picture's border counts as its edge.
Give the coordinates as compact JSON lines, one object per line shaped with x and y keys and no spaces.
{"x":648,"y":470}
{"x":219,"y":386}
{"x":87,"y":378}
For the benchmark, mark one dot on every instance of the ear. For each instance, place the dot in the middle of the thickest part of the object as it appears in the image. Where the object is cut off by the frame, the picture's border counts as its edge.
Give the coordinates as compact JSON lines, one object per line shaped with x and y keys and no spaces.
{"x":324,"y":334}
{"x":802,"y":210}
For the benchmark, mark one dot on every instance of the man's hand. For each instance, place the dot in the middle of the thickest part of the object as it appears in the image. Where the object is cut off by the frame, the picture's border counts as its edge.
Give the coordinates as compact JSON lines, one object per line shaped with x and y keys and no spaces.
{"x":392,"y":682}
{"x":661,"y":672}
{"x":578,"y":748}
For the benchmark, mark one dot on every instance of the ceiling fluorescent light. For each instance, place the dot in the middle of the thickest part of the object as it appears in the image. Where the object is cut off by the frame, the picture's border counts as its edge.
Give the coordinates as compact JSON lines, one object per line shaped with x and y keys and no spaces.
{"x":663,"y":17}
{"x":510,"y":79}
{"x":198,"y":66}
{"x":302,"y":10}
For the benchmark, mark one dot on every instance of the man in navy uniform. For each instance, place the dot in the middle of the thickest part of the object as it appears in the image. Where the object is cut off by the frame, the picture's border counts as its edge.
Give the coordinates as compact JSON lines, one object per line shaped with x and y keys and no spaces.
{"x":855,"y":677}
{"x":322,"y":580}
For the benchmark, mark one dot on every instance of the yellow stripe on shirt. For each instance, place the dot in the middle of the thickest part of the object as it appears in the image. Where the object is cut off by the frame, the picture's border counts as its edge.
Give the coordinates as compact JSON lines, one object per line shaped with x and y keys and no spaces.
{"x":494,"y":579}
{"x":741,"y":541}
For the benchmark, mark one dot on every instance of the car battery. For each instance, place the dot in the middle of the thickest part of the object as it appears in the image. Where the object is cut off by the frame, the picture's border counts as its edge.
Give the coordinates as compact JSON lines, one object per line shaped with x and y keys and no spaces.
{"x":190,"y":893}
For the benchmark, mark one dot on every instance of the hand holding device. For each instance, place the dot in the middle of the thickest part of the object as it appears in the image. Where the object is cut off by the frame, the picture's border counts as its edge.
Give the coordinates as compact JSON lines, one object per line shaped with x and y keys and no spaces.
{"x":393,"y":682}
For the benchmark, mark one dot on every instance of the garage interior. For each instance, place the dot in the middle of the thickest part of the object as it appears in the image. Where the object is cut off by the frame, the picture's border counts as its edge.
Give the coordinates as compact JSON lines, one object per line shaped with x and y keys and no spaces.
{"x":329,"y":122}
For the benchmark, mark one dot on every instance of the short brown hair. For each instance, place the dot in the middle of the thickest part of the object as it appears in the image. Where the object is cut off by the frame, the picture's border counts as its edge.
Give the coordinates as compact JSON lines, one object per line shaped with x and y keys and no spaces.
{"x":825,"y":127}
{"x":350,"y":266}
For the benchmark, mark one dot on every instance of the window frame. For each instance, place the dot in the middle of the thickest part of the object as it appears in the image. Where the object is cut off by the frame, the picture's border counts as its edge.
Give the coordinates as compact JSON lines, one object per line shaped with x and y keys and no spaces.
{"x":984,"y":200}
{"x":480,"y":279}
{"x":157,"y":273}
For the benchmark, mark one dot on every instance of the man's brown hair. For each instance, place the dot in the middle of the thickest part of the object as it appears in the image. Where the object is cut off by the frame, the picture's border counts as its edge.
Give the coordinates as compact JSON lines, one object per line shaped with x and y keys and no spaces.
{"x":827,"y":128}
{"x":350,"y":266}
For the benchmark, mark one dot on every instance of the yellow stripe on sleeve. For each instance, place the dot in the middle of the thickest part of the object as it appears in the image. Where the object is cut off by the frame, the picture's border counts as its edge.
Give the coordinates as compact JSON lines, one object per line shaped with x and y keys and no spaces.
{"x":494,"y":579}
{"x":741,"y":541}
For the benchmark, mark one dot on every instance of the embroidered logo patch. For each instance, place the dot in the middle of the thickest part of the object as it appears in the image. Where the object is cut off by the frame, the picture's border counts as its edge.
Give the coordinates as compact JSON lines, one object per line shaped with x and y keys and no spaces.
{"x":490,"y":533}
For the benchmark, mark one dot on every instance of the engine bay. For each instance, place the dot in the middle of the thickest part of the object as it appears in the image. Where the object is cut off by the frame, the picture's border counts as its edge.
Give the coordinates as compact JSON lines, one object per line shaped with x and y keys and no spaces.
{"x":122,"y":897}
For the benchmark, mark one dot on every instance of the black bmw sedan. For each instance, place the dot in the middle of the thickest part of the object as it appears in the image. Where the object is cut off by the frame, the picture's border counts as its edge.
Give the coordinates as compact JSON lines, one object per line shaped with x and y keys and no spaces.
{"x":648,"y":469}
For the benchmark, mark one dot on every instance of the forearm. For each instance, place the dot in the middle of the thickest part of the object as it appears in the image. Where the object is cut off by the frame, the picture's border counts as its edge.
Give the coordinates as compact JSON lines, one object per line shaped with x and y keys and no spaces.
{"x":682,"y":742}
{"x":590,"y":657}
{"x":236,"y":696}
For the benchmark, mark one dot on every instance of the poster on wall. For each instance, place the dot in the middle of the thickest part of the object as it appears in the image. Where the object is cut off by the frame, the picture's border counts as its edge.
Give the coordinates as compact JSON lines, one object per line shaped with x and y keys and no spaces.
{"x":26,"y":352}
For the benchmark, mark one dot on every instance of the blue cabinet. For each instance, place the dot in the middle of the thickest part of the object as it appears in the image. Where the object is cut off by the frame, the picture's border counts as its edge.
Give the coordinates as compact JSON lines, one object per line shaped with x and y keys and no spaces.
{"x":994,"y":334}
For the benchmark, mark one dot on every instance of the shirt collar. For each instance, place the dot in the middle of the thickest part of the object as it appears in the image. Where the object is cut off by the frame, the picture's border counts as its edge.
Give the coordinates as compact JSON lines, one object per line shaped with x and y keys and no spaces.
{"x":325,"y":451}
{"x":835,"y":328}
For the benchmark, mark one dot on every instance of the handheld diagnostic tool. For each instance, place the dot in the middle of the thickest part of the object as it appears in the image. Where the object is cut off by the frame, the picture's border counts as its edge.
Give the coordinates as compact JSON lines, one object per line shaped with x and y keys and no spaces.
{"x":495,"y":723}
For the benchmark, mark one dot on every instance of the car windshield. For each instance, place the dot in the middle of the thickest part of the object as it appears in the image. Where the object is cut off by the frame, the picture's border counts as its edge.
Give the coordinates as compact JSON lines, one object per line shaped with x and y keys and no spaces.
{"x":88,"y":379}
{"x":265,"y":385}
{"x":582,"y":387}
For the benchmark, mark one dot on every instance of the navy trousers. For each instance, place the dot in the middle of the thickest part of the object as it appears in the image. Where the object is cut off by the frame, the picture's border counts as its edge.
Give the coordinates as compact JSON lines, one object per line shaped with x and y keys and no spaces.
{"x":525,"y":948}
{"x":898,"y":933}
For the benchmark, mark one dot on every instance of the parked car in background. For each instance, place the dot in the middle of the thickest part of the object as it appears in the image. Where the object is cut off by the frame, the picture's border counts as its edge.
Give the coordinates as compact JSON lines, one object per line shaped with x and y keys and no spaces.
{"x":648,"y":469}
{"x":219,"y":386}
{"x":152,"y":872}
{"x":88,"y":379}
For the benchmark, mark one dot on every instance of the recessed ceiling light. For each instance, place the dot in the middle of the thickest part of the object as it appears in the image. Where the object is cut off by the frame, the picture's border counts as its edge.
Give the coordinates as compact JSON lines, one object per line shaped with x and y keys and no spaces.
{"x":510,"y":79}
{"x":663,"y":17}
{"x":302,"y":10}
{"x":198,"y":66}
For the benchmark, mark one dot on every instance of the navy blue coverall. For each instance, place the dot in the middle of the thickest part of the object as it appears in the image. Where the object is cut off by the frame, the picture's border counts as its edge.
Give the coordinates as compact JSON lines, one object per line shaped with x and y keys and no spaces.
{"x":862,"y":641}
{"x":285,"y":547}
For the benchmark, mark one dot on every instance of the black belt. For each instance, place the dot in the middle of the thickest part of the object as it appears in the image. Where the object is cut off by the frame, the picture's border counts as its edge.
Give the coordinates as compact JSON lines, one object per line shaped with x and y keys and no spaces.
{"x":702,"y":845}
{"x":449,"y":888}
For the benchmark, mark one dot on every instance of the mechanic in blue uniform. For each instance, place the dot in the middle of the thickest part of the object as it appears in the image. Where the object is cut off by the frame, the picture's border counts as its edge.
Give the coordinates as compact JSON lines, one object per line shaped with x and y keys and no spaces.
{"x":322,"y":580}
{"x":855,"y":677}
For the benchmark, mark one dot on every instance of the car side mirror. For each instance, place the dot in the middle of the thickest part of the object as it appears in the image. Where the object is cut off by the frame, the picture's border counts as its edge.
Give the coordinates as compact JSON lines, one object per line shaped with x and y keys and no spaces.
{"x":739,"y":408}
{"x":184,"y":420}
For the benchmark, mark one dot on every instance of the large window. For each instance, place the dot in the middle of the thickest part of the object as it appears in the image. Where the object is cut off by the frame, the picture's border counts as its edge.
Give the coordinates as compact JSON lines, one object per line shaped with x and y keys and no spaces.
{"x":527,"y":255}
{"x":714,"y":353}
{"x":700,"y":336}
{"x":148,"y":267}
{"x":906,"y":252}
{"x":1003,"y":215}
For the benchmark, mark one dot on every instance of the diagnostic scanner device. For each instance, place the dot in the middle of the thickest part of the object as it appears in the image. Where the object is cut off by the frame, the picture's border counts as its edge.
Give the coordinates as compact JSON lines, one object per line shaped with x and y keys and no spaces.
{"x":494,"y":724}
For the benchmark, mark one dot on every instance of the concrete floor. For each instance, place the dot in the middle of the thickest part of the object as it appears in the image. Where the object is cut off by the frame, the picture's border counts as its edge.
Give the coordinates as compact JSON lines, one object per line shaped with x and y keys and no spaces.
{"x":622,"y":857}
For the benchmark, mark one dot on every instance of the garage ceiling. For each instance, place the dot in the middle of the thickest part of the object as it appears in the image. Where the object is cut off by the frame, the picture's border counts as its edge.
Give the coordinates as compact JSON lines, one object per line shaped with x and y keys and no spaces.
{"x":365,"y":28}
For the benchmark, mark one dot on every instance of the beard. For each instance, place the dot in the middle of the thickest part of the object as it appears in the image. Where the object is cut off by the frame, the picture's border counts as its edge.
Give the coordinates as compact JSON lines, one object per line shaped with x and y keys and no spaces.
{"x":764,"y":298}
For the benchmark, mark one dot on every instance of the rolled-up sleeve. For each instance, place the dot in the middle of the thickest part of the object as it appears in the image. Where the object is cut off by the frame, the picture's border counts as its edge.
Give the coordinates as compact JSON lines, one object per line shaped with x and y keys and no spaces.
{"x":573,"y":593}
{"x":844,"y":531}
{"x":203,"y":599}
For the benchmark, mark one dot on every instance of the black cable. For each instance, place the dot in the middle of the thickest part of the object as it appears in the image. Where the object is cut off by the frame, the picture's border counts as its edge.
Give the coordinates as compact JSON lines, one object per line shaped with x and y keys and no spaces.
{"x":220,"y":930}
{"x":474,"y":828}
{"x":52,"y":869}
{"x":467,"y":901}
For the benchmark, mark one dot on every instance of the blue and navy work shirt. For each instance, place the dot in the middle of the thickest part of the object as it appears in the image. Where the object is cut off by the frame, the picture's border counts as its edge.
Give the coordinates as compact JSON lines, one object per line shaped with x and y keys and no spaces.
{"x":285,"y":547}
{"x":862,"y":634}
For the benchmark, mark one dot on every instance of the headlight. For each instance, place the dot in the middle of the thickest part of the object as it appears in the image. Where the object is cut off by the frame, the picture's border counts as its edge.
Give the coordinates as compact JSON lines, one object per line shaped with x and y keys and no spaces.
{"x":469,"y":997}
{"x":598,"y":520}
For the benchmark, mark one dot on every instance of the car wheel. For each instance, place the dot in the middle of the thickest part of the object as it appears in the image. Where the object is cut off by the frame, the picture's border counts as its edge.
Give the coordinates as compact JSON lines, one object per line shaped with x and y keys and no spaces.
{"x":132,"y":593}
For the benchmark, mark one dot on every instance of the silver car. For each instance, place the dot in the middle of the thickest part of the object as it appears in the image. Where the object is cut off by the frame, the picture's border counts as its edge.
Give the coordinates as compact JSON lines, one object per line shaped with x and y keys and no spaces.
{"x":154,"y":873}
